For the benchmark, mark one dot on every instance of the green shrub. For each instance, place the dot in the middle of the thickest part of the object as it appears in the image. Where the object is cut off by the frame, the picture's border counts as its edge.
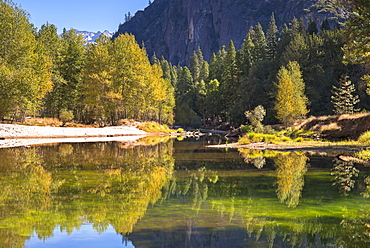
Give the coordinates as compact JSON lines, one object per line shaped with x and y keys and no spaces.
{"x":65,"y":116}
{"x":269,"y":130}
{"x":246,"y":128}
{"x":266,"y":138}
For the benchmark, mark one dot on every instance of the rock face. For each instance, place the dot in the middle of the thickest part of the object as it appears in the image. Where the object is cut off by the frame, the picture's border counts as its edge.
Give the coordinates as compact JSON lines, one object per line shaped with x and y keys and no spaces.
{"x":175,"y":28}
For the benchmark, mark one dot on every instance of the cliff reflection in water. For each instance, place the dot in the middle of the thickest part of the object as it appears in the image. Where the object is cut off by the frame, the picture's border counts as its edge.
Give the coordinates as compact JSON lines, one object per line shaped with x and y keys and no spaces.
{"x":180,"y":194}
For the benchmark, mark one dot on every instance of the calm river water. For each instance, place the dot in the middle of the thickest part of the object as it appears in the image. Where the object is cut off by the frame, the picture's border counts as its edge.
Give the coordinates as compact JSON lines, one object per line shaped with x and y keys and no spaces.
{"x":169,"y":193}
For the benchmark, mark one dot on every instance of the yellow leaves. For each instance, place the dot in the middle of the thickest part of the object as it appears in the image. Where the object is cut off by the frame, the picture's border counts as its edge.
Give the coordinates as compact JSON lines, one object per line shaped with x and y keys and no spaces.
{"x":121,"y":71}
{"x":26,"y":62}
{"x":290,"y":99}
{"x":290,"y":171}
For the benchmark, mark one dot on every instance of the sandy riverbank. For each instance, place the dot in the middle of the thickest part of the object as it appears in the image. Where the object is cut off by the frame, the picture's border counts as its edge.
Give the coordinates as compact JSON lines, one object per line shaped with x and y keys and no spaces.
{"x":19,"y":135}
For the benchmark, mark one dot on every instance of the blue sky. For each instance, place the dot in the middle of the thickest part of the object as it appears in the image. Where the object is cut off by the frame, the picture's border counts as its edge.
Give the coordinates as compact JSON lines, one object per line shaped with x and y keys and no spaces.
{"x":89,"y":15}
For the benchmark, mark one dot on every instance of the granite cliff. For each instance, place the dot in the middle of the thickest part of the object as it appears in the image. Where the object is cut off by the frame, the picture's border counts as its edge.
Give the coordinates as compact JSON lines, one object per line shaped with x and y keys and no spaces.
{"x":175,"y":28}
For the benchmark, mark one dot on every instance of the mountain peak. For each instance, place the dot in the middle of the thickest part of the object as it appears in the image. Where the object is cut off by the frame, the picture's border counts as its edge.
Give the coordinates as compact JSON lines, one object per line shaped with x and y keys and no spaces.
{"x":90,"y":37}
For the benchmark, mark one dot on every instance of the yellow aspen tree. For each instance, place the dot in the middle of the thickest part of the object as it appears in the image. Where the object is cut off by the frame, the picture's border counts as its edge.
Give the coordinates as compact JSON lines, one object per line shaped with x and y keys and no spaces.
{"x":145,"y":93}
{"x":291,"y":102}
{"x":100,"y":99}
{"x":24,"y":65}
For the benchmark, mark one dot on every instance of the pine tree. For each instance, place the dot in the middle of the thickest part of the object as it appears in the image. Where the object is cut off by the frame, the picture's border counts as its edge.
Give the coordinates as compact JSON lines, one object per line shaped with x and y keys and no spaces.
{"x":196,"y":63}
{"x":229,"y":84}
{"x":247,"y":58}
{"x":325,"y":25}
{"x":312,"y":27}
{"x":204,"y":72}
{"x":259,"y":40}
{"x":272,"y":38}
{"x":343,"y":99}
{"x":154,"y":59}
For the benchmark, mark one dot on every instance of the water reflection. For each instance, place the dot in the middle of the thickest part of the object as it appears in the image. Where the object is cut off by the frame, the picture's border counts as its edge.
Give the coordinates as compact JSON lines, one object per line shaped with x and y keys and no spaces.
{"x":167,"y":194}
{"x":344,"y":174}
{"x":290,"y":169}
{"x":69,"y":185}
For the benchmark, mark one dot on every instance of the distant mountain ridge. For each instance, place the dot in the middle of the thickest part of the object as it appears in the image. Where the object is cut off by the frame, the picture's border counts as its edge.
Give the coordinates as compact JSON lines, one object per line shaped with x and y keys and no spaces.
{"x":90,"y":37}
{"x":175,"y":28}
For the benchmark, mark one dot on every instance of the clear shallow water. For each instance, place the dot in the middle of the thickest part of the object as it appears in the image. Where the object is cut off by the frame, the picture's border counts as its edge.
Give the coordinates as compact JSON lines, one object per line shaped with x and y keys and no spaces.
{"x":85,"y":236}
{"x":179,"y":194}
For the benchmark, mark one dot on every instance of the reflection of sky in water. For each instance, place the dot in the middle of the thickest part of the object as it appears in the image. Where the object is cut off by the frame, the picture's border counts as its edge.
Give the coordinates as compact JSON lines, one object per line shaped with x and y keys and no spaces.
{"x":85,"y":237}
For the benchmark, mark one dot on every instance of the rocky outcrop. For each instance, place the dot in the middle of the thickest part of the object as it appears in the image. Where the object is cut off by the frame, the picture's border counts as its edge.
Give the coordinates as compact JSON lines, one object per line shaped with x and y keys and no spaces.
{"x":338,"y":127}
{"x":175,"y":28}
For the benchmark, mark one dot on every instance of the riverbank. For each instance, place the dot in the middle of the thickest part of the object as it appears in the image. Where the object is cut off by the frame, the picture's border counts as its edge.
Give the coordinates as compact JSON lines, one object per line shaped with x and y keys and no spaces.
{"x":20,"y":135}
{"x":298,"y":146}
{"x":11,"y":131}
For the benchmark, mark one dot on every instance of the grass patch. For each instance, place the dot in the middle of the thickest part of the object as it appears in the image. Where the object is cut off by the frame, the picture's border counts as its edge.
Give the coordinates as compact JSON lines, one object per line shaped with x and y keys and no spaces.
{"x":153,"y":127}
{"x":35,"y":121}
{"x":265,"y":138}
{"x":364,"y":138}
{"x":364,"y":154}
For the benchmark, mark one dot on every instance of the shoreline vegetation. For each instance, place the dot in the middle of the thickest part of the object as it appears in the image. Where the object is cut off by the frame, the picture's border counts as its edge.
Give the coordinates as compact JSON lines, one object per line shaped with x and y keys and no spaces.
{"x":305,"y":135}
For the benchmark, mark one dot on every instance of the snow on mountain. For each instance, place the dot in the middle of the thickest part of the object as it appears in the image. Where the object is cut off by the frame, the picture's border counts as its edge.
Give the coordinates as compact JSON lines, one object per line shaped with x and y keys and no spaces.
{"x":90,"y":37}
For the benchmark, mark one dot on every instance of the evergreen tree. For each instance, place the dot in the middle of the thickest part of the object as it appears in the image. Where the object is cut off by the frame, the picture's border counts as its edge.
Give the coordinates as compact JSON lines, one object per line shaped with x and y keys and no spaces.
{"x":259,"y":51}
{"x":298,"y":26}
{"x":166,"y":68}
{"x":286,"y":37}
{"x":216,"y":65}
{"x":343,"y":99}
{"x":229,"y":84}
{"x":246,"y":56}
{"x":291,"y":101}
{"x":312,"y":27}
{"x":204,"y":72}
{"x":357,"y":28}
{"x":196,"y":64}
{"x":325,"y":25}
{"x":154,"y":59}
{"x":184,"y":81}
{"x":272,"y":38}
{"x":212,"y":103}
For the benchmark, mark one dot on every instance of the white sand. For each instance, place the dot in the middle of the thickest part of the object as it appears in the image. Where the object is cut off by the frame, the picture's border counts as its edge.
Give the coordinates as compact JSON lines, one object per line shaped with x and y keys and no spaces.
{"x":19,"y":135}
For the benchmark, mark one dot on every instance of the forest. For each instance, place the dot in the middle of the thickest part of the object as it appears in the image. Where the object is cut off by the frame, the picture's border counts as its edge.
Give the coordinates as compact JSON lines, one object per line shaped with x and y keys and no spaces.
{"x":235,"y":82}
{"x":300,"y":70}
{"x":46,"y":74}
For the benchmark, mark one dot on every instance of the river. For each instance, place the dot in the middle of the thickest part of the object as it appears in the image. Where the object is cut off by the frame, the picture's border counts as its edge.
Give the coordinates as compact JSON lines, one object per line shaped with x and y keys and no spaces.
{"x":179,"y":193}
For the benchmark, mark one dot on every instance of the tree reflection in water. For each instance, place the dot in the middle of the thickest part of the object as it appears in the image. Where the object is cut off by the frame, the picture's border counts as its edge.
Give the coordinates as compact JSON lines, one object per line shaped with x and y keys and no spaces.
{"x":290,"y":169}
{"x":96,"y":183}
{"x":260,"y":202}
{"x":344,"y":174}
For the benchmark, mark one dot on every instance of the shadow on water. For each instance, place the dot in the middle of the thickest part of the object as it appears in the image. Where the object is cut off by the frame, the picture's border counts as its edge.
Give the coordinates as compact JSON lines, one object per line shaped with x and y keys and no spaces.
{"x":171,"y":193}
